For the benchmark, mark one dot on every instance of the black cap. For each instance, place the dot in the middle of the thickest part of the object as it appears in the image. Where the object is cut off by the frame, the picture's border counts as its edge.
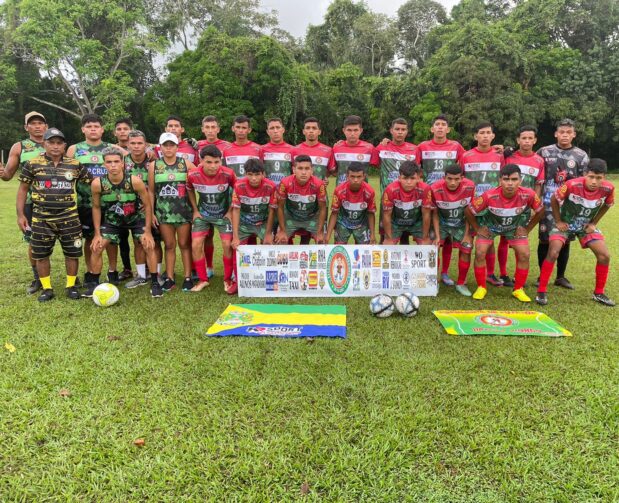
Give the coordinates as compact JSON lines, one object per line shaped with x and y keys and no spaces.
{"x":53,"y":133}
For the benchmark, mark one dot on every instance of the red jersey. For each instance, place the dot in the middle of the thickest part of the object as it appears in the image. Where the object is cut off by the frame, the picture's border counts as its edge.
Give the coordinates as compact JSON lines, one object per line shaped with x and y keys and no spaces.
{"x":344,"y":154}
{"x":222,"y":145}
{"x":434,"y":158}
{"x":504,"y":215}
{"x":236,"y":156}
{"x":578,"y":205}
{"x":389,"y":157}
{"x":450,"y":204}
{"x":483,"y":168}
{"x":406,"y":206}
{"x":531,"y":167}
{"x":185,"y":151}
{"x":321,"y":155}
{"x":353,"y":207}
{"x":254,"y":202}
{"x":302,"y":200}
{"x":214,"y":192}
{"x":277,"y":160}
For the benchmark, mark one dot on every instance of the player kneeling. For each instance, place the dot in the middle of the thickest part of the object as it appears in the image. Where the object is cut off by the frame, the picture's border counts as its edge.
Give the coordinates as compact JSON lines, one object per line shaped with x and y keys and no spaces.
{"x":115,"y":198}
{"x":577,"y":207}
{"x":214,"y":184}
{"x":353,"y":209}
{"x":502,"y":212}
{"x":302,"y":203}
{"x":448,"y":198}
{"x":402,"y":206}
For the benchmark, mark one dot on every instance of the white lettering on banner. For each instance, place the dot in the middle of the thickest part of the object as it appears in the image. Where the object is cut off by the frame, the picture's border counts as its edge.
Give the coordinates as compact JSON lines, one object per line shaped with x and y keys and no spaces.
{"x":336,"y":270}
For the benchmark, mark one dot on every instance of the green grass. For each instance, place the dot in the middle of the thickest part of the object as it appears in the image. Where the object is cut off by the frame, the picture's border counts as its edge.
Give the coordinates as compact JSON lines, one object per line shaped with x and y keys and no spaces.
{"x":399,"y":411}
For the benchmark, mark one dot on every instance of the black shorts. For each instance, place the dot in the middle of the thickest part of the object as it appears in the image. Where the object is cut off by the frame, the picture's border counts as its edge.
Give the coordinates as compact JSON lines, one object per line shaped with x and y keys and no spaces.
{"x":88,"y":227}
{"x":113,"y":233}
{"x":28,"y":215}
{"x":45,"y":232}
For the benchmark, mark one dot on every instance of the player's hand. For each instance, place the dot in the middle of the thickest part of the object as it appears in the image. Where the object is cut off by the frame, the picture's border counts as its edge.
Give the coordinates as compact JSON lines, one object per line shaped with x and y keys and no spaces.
{"x":235,"y":243}
{"x":521,"y":232}
{"x":590,"y":228}
{"x":483,"y":232}
{"x":372,"y":240}
{"x":467,"y":241}
{"x":147,"y":241}
{"x":155,"y":222}
{"x":320,"y":238}
{"x":97,"y":244}
{"x":436,"y":241}
{"x":499,"y":149}
{"x":384,"y":141}
{"x":150,"y":154}
{"x":196,"y":215}
{"x":268,"y":239}
{"x":281,"y":238}
{"x":562,"y":226}
{"x":22,"y":223}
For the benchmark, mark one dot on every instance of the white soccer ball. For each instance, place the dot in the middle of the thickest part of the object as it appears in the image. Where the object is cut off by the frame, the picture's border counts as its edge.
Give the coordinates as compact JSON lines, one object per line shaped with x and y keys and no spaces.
{"x":381,"y":305}
{"x":105,"y":295}
{"x":407,"y":304}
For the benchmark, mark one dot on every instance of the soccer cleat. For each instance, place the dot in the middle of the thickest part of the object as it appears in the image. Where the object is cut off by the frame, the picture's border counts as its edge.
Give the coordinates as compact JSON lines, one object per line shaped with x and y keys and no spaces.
{"x":541,"y":298}
{"x":34,"y":287}
{"x":447,"y":281}
{"x":194,"y":275}
{"x":199,"y":286}
{"x":507,"y":281}
{"x":73,"y":293}
{"x":521,"y":295}
{"x":168,"y":285}
{"x":126,"y":274}
{"x":46,"y":294}
{"x":112,"y":277}
{"x":564,"y":283}
{"x":210,"y":272}
{"x":135,"y":282}
{"x":603,"y":299}
{"x":493,"y":280}
{"x":89,"y":289}
{"x":187,"y":285}
{"x":480,"y":293}
{"x":155,"y":290}
{"x":231,"y":287}
{"x":463,"y":290}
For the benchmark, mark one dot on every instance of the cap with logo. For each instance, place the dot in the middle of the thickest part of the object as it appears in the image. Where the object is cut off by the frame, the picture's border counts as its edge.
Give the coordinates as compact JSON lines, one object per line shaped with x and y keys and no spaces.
{"x":31,"y":115}
{"x":53,"y":133}
{"x":168,"y":137}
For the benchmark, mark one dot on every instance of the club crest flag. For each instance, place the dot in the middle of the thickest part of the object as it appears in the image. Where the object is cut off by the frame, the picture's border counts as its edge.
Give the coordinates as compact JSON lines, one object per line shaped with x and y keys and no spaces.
{"x":278,"y":320}
{"x":523,"y":323}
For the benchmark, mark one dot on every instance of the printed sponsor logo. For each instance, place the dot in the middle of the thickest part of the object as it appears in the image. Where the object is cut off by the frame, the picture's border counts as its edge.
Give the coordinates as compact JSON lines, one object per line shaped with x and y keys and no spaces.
{"x":338,"y":270}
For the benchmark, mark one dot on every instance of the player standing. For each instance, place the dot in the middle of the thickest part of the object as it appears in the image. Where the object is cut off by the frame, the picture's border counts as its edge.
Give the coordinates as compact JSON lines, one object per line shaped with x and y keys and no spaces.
{"x":214,"y":183}
{"x":403,"y":201}
{"x":186,"y":147}
{"x":242,"y":148}
{"x":320,"y":154}
{"x":302,"y":203}
{"x":167,"y":182}
{"x":502,"y":211}
{"x":36,"y":125}
{"x":449,"y":197}
{"x":353,"y":209}
{"x":563,"y":161}
{"x":277,"y":154}
{"x":578,"y":206}
{"x":353,"y":149}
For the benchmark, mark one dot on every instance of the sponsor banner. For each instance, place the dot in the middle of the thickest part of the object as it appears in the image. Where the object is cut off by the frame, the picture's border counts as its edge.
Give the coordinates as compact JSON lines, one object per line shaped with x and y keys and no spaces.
{"x":336,"y":270}
{"x":530,"y":323}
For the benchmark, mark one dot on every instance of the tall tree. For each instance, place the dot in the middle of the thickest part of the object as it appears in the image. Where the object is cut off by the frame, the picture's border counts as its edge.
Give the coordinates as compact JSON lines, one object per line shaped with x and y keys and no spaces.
{"x":416,"y":18}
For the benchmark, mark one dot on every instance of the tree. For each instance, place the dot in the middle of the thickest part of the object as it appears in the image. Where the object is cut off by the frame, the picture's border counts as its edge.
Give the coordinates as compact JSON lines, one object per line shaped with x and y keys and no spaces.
{"x":416,"y":18}
{"x":374,"y":43}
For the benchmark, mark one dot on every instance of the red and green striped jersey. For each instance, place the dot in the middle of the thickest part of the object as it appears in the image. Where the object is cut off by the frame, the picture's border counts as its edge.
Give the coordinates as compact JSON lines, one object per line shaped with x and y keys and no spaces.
{"x":435,"y":158}
{"x":389,"y":157}
{"x":214,"y":192}
{"x":352,"y":207}
{"x":277,"y":160}
{"x":406,"y":206}
{"x":450,"y":204}
{"x":254,"y":202}
{"x":531,"y":167}
{"x":301,"y":201}
{"x":578,"y":205}
{"x":483,"y":168}
{"x":321,"y":155}
{"x":236,"y":156}
{"x":344,"y":154}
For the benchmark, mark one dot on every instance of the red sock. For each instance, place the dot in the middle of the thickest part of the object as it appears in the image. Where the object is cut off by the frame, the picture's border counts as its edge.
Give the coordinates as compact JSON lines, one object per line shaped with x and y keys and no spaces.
{"x":520,"y":278}
{"x":463,"y":270}
{"x":480,"y":276}
{"x":200,"y":267}
{"x":601,"y":275}
{"x":228,"y":268}
{"x":208,"y":252}
{"x":490,"y":259}
{"x":544,"y":275}
{"x":447,"y":247}
{"x":503,"y":252}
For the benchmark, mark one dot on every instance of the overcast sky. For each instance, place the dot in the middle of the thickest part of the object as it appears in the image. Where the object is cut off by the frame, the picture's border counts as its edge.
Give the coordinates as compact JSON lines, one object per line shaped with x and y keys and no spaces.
{"x":296,"y":15}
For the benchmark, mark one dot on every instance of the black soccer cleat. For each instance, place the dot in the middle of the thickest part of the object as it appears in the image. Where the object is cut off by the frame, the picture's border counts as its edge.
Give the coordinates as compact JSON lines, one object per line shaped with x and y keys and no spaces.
{"x":112,"y":277}
{"x":541,"y":298}
{"x":89,"y":288}
{"x":603,"y":299}
{"x":73,"y":293}
{"x":564,"y":283}
{"x":187,"y":285}
{"x":168,"y":285}
{"x":155,"y":290}
{"x":507,"y":281}
{"x":34,"y":287}
{"x":47,"y":294}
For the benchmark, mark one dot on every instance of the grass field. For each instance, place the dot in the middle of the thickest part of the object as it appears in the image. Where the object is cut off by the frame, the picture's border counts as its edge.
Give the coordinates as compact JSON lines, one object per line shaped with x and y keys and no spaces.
{"x":396,"y":412}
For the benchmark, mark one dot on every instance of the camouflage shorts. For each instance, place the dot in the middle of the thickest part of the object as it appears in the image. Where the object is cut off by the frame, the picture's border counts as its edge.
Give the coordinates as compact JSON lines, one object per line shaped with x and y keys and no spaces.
{"x":361,"y":235}
{"x":205,"y":226}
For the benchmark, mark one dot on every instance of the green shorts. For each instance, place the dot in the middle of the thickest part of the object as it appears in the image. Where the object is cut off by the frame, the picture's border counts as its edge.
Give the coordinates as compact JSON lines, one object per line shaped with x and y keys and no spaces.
{"x":414,"y":230}
{"x":455,"y":233}
{"x":293,"y":226}
{"x":584,"y":238}
{"x":361,"y":235}
{"x":246,"y":231}
{"x":203,"y":227}
{"x":112,"y":232}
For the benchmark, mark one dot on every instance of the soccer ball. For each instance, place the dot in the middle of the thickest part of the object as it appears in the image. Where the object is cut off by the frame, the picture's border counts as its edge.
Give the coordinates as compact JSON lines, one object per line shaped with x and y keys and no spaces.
{"x":407,"y":304}
{"x":381,"y":305}
{"x":105,"y":295}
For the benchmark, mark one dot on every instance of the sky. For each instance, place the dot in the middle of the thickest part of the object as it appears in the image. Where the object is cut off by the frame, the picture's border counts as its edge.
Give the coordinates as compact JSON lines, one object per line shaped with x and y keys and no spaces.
{"x":296,"y":15}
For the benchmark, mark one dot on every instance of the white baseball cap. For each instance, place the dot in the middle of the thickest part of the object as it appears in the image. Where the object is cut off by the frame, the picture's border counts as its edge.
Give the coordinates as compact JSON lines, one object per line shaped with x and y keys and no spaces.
{"x":168,"y":137}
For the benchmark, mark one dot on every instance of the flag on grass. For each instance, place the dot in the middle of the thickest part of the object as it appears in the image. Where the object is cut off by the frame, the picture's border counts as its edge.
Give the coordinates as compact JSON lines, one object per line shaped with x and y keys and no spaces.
{"x":280,"y":320}
{"x":529,"y":323}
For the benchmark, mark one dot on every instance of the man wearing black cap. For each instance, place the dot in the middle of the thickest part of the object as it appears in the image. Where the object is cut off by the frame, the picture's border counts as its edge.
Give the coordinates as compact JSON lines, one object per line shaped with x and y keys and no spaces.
{"x":562,"y":162}
{"x":51,"y":177}
{"x":22,"y":151}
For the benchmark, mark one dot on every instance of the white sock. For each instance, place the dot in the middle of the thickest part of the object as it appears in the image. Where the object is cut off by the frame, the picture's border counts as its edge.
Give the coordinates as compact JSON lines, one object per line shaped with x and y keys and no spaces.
{"x":141,"y":270}
{"x":159,"y":268}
